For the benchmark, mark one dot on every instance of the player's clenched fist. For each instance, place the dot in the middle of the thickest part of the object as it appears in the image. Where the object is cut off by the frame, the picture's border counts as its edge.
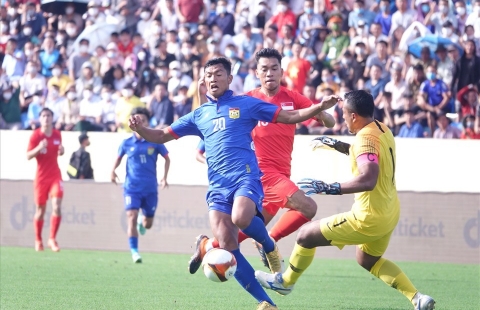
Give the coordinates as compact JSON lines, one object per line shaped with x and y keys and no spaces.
{"x":135,"y":122}
{"x":330,"y":101}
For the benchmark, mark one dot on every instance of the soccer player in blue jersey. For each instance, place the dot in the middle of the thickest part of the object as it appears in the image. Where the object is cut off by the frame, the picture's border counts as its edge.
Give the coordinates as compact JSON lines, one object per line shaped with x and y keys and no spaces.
{"x":235,"y":192}
{"x":141,"y":186}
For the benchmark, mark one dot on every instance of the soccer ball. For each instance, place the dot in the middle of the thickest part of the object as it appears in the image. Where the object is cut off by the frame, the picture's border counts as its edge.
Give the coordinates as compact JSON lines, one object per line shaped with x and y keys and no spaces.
{"x":219,"y":265}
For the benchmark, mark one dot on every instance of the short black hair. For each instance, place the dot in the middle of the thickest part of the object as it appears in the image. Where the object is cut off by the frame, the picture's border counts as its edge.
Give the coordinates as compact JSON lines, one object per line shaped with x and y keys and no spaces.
{"x":46,"y":110}
{"x":360,"y":102}
{"x":219,"y":61}
{"x":268,"y":53}
{"x":142,"y":111}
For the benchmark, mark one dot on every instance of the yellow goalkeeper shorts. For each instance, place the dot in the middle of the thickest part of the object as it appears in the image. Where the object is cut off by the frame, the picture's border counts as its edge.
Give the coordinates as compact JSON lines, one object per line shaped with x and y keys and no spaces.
{"x":339,"y":229}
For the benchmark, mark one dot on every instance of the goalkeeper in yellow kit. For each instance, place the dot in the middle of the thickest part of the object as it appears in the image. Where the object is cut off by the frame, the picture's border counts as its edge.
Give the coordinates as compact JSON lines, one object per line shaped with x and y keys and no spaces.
{"x":374,"y":214}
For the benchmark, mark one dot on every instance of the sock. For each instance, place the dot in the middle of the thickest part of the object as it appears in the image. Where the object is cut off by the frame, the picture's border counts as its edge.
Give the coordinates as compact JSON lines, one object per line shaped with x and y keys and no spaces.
{"x":54,"y":225}
{"x":245,"y":275}
{"x":288,"y":223}
{"x":300,"y":259}
{"x":258,"y":232}
{"x":37,"y":227}
{"x":393,"y":276}
{"x":213,"y":242}
{"x":133,"y":241}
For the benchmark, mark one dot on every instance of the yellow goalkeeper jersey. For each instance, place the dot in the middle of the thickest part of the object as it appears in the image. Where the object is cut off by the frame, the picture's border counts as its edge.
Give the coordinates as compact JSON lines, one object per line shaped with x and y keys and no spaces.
{"x":378,"y":210}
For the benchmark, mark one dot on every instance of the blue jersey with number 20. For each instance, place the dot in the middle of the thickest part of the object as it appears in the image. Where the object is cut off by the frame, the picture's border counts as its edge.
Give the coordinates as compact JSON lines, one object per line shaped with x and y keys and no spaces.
{"x":141,"y":164}
{"x":225,"y":126}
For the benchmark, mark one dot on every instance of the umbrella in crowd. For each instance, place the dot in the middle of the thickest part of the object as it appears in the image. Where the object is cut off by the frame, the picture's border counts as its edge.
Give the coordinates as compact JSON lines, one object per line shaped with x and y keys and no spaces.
{"x":57,"y":7}
{"x":97,"y":34}
{"x":432,"y":42}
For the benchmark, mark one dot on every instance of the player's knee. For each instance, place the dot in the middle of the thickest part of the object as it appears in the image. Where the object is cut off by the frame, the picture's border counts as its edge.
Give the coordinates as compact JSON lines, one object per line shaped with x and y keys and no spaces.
{"x":303,"y":237}
{"x":309,"y":208}
{"x":148,"y":224}
{"x":241,"y":222}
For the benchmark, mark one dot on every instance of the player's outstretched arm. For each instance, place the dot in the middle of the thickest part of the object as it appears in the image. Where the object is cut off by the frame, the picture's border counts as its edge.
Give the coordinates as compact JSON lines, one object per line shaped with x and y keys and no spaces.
{"x":297,"y":116}
{"x":159,"y":136}
{"x":327,"y":119}
{"x":326,"y":142}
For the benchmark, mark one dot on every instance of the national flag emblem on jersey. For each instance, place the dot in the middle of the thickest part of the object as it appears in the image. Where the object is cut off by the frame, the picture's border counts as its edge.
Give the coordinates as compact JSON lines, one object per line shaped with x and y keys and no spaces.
{"x":150,"y":150}
{"x":234,"y":113}
{"x":287,"y":106}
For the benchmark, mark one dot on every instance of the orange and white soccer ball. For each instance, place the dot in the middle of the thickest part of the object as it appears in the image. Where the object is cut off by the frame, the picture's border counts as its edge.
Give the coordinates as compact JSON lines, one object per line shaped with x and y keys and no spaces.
{"x":219,"y":265}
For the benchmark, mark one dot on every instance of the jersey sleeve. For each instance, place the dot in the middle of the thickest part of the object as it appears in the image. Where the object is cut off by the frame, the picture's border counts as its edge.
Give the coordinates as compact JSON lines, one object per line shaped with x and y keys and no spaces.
{"x":121,"y":149}
{"x":423,"y":87}
{"x":33,"y":142}
{"x":201,"y":147}
{"x":263,"y":111}
{"x":162,"y":150}
{"x":366,"y":144}
{"x":444,"y":87}
{"x":184,"y":126}
{"x":302,"y":102}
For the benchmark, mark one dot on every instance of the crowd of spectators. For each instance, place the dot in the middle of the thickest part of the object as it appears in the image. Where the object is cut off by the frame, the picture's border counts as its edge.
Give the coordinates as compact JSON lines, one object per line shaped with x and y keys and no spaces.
{"x":92,"y":67}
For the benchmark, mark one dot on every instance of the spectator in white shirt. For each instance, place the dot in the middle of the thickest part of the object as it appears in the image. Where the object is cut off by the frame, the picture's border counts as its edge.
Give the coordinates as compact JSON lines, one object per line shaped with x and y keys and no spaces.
{"x":55,"y":102}
{"x":144,"y":26}
{"x":403,"y":17}
{"x":14,"y":61}
{"x":31,"y":84}
{"x":90,"y":111}
{"x":443,"y":15}
{"x":474,"y":19}
{"x":108,"y":109}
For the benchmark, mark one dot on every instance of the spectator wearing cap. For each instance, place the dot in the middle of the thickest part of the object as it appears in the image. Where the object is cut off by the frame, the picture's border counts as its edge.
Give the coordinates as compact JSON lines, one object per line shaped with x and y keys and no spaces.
{"x":177,"y":78}
{"x":31,"y":84}
{"x":340,"y":10}
{"x":444,"y":14}
{"x":336,"y":43}
{"x":445,"y":65}
{"x":468,"y":99}
{"x":94,"y":14}
{"x":70,"y":114}
{"x":434,"y":96}
{"x":124,"y":107}
{"x":80,"y":166}
{"x":384,"y":18}
{"x":160,"y":107}
{"x":34,"y":19}
{"x":87,"y":78}
{"x":70,"y":14}
{"x":404,"y":16}
{"x":10,"y":111}
{"x":474,"y":18}
{"x":397,"y":86}
{"x":360,"y":13}
{"x":78,"y":59}
{"x":411,"y":128}
{"x":471,"y":127}
{"x":248,"y":43}
{"x":224,"y":20}
{"x":309,"y":22}
{"x":191,"y":12}
{"x":14,"y":61}
{"x":48,"y":57}
{"x":445,"y":130}
{"x":467,"y":68}
{"x":59,"y":78}
{"x":283,"y":16}
{"x":90,"y":111}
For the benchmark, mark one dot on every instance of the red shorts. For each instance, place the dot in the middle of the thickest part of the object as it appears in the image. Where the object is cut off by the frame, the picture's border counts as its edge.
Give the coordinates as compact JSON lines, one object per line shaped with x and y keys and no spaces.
{"x":277,"y":188}
{"x":46,"y":188}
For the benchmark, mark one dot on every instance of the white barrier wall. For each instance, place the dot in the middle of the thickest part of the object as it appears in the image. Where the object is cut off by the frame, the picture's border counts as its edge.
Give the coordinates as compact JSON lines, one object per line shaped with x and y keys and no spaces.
{"x":433,"y":227}
{"x":423,"y":165}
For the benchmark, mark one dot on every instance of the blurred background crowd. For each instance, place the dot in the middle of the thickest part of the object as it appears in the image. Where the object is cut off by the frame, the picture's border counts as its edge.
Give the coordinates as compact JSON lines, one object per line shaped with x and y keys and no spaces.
{"x":92,"y":62}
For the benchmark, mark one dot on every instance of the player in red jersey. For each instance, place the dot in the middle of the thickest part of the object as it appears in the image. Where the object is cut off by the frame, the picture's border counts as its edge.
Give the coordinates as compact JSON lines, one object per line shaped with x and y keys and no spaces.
{"x":273,"y":148}
{"x":46,"y":145}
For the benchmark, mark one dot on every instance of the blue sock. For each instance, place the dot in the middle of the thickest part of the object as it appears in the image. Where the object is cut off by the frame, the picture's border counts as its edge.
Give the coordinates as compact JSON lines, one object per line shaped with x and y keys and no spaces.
{"x":133,"y":242}
{"x":245,"y":275}
{"x":258,"y":232}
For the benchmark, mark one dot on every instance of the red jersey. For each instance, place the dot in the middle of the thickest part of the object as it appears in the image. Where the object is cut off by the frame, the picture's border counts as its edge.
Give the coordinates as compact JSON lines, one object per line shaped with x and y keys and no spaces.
{"x":47,"y":165}
{"x":274,"y":142}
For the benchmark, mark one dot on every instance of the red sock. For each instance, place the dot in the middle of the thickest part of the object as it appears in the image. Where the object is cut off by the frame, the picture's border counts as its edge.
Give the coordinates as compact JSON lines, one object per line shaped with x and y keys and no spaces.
{"x":289,"y":222}
{"x":37,"y":227}
{"x":54,"y":225}
{"x":241,"y":236}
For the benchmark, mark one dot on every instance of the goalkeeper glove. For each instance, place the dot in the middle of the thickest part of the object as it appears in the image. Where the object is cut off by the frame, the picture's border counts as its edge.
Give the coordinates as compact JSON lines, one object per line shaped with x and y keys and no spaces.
{"x":312,"y":187}
{"x":324,"y":141}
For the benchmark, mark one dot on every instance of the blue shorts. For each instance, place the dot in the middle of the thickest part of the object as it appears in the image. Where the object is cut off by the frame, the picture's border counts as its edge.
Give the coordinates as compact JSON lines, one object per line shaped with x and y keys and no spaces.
{"x":145,"y":201}
{"x":221,"y":199}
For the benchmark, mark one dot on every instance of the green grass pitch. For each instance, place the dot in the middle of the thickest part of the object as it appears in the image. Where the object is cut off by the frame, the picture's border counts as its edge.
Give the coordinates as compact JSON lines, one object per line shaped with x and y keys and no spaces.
{"x":75,"y":279}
